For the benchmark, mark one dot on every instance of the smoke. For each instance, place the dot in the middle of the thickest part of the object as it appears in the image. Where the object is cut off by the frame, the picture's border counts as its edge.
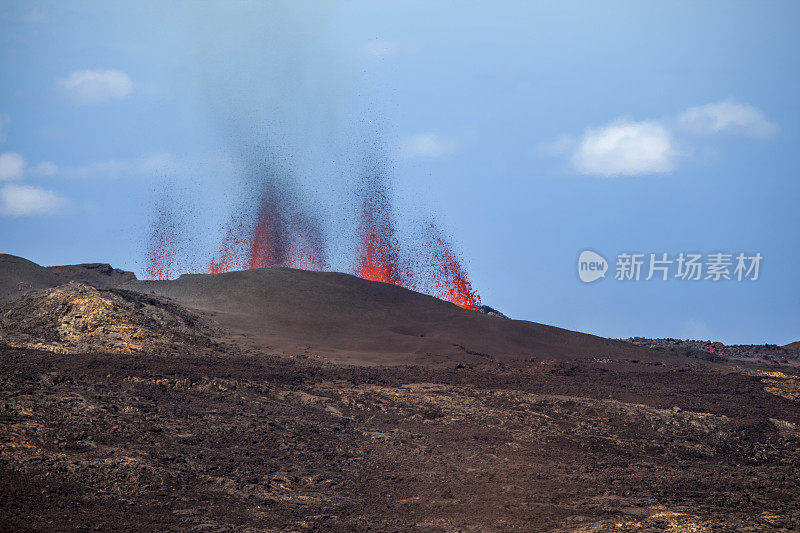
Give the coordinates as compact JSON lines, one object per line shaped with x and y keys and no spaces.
{"x":278,"y":94}
{"x":271,"y":81}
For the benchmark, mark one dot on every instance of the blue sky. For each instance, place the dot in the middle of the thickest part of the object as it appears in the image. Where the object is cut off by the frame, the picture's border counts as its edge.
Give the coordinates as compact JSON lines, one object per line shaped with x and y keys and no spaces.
{"x":533,"y":131}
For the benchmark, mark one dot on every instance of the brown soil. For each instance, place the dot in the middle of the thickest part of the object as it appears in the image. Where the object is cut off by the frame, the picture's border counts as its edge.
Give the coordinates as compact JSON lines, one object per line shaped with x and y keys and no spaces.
{"x":338,"y":317}
{"x":221,"y":403}
{"x":267,"y":443}
{"x":100,"y":275}
{"x":18,"y":276}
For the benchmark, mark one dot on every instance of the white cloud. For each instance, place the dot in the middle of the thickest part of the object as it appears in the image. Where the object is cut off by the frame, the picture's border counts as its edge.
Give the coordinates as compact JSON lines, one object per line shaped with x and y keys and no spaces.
{"x":152,"y":165}
{"x":625,"y":148}
{"x":4,"y":122}
{"x":727,"y":116}
{"x":629,"y":148}
{"x":12,"y":166}
{"x":95,"y":86}
{"x":21,"y":200}
{"x":100,"y":169}
{"x":426,"y":145}
{"x":45,"y":168}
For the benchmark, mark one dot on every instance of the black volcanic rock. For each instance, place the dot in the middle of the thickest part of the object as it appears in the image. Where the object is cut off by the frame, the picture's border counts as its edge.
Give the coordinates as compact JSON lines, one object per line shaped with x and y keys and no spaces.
{"x":99,"y":275}
{"x":486,"y":310}
{"x":715,"y":350}
{"x":78,"y":318}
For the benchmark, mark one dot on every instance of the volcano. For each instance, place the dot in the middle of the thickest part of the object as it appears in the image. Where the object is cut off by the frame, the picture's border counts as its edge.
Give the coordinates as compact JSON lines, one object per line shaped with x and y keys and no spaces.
{"x":338,"y":317}
{"x":348,"y":319}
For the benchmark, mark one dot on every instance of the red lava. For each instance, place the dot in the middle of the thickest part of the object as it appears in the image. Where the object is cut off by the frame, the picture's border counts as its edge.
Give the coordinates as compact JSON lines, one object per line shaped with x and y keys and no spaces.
{"x":281,"y":233}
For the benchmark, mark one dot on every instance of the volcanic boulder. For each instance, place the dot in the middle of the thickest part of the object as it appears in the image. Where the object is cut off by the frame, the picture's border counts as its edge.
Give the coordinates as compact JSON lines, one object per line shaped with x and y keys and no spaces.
{"x":491,"y":311}
{"x":78,"y":318}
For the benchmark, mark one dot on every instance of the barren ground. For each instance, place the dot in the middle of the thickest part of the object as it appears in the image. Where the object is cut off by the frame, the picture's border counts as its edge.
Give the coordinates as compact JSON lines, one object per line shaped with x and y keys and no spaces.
{"x":228,"y":403}
{"x":264,"y":443}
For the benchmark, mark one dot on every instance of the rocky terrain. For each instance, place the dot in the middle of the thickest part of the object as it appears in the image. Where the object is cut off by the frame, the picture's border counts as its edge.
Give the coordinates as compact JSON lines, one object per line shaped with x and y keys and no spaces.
{"x":206,"y":404}
{"x":712,"y":350}
{"x":100,"y":275}
{"x":77,"y":318}
{"x":270,"y":444}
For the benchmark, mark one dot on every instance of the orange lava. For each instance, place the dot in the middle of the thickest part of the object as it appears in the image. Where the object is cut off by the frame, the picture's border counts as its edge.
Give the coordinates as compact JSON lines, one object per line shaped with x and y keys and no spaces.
{"x":448,"y":275}
{"x":271,"y":241}
{"x":303,"y":243}
{"x":162,"y":247}
{"x":378,"y":258}
{"x":303,"y":256}
{"x":284,"y":233}
{"x":264,"y":243}
{"x":160,"y":265}
{"x":717,"y":349}
{"x":229,"y":256}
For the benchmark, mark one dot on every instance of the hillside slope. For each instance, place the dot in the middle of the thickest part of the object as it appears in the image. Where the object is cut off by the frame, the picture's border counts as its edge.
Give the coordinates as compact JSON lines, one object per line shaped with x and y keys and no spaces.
{"x":99,"y":275}
{"x":18,"y":276}
{"x":332,"y":316}
{"x":345,"y":318}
